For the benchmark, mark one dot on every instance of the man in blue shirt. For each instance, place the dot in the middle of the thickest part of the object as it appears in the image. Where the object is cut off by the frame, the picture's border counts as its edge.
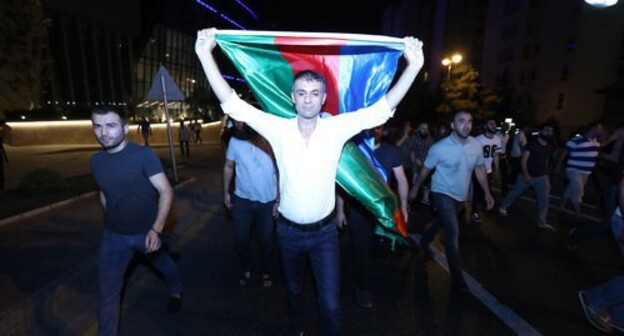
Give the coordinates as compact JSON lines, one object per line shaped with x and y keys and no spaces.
{"x":454,"y":159}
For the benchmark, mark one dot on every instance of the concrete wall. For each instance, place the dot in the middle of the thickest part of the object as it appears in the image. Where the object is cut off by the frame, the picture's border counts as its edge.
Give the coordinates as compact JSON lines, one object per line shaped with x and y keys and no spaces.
{"x":81,"y":133}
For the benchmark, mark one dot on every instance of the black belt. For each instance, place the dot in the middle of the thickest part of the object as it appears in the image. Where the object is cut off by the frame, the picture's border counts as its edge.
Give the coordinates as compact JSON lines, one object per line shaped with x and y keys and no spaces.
{"x":309,"y":226}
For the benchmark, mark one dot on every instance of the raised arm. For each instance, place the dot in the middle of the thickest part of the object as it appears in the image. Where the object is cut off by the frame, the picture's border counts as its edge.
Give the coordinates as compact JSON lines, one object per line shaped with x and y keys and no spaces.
{"x":413,"y":53}
{"x":206,"y":41}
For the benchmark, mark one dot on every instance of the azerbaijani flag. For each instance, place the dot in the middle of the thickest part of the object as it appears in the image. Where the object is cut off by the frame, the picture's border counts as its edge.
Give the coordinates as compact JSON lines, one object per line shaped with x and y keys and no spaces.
{"x":358,"y":69}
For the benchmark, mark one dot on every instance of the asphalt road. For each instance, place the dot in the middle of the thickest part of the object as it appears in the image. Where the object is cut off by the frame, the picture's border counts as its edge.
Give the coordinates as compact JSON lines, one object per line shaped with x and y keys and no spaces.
{"x":523,"y":281}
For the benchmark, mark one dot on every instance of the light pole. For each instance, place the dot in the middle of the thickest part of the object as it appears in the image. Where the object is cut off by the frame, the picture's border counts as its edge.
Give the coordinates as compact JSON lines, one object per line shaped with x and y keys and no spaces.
{"x":449,"y":61}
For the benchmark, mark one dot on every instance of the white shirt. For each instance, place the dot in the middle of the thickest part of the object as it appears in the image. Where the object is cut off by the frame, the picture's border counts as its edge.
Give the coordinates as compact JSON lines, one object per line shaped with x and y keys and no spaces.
{"x":307,"y":172}
{"x":491,"y":147}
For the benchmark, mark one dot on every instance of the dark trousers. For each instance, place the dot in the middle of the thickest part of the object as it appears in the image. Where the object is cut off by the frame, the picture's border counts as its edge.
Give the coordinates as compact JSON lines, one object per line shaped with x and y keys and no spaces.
{"x":505,"y":177}
{"x":362,"y":230}
{"x":323,"y":250}
{"x":514,"y":169}
{"x":116,"y":252}
{"x":248,"y":215}
{"x":447,"y":210}
{"x":184,"y":148}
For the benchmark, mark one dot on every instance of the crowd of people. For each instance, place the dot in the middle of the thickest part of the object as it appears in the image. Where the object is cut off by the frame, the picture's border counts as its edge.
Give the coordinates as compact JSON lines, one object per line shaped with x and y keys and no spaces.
{"x":279,"y":179}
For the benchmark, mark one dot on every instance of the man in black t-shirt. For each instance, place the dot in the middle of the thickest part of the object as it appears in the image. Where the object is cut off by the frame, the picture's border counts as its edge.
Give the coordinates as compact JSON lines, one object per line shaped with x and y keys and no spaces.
{"x":136,"y":196}
{"x":534,"y":173}
{"x":389,"y":166}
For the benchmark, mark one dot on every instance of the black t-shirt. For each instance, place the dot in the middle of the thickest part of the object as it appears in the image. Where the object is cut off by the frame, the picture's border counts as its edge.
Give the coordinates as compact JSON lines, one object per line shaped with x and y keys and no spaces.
{"x":537,"y":164}
{"x":389,"y":157}
{"x":123,"y":177}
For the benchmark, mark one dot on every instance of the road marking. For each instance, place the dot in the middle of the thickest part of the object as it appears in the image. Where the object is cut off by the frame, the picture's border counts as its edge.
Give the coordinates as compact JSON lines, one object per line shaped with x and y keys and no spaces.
{"x":514,"y":321}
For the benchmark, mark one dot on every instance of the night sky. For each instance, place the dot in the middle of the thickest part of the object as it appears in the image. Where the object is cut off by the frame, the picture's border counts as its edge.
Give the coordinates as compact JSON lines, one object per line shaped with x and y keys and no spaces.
{"x":322,"y":15}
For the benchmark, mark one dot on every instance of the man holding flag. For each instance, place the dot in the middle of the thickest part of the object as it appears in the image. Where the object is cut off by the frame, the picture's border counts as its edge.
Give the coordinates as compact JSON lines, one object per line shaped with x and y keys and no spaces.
{"x":307,"y":150}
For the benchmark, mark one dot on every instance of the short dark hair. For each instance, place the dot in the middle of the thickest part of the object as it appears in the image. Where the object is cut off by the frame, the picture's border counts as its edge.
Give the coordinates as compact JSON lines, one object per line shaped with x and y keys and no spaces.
{"x":108,"y":109}
{"x":455,"y":113}
{"x":310,"y":76}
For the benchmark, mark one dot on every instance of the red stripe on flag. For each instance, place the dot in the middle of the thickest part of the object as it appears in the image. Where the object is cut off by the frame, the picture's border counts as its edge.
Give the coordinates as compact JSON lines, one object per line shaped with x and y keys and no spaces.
{"x":401,"y":226}
{"x":318,"y":54}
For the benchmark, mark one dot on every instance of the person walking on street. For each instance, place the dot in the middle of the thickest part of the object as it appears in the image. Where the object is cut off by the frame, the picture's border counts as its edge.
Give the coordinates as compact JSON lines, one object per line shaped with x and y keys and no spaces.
{"x":582,"y":154}
{"x":405,"y":144}
{"x":5,"y":129}
{"x":454,"y":159}
{"x":534,"y":173}
{"x":184,"y":136}
{"x":503,"y":161}
{"x":491,"y":145}
{"x":197,"y":130}
{"x":307,"y":149}
{"x":361,"y":222}
{"x":136,"y":196}
{"x":423,"y":140}
{"x":145,"y":128}
{"x":518,"y":141}
{"x":254,"y":203}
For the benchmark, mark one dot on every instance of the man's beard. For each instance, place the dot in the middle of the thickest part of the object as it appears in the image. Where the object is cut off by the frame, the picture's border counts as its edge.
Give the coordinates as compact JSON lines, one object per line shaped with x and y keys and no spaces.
{"x":113,"y":146}
{"x":423,"y":134}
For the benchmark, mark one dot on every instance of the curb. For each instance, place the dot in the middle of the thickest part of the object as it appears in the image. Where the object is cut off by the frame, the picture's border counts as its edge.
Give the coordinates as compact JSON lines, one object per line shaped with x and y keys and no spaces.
{"x":34,"y":212}
{"x":37,"y":211}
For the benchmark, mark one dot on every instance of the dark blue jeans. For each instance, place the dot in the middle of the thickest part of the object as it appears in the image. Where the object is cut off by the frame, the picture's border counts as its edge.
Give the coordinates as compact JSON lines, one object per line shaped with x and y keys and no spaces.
{"x":116,"y":252}
{"x":447,"y":211}
{"x":246,"y":213}
{"x":362,"y":229}
{"x":322,"y":247}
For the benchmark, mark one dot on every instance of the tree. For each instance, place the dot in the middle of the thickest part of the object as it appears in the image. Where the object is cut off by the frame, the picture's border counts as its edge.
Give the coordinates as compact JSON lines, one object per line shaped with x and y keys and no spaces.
{"x":464,"y":91}
{"x":24,"y":56}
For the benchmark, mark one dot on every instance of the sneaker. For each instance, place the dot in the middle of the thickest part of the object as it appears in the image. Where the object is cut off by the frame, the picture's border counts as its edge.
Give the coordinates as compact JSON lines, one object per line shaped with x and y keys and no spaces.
{"x":174,"y":305}
{"x":502,"y":212}
{"x":573,"y":239}
{"x":362,"y":298}
{"x":547,"y":227}
{"x":475,"y":217}
{"x":600,"y":321}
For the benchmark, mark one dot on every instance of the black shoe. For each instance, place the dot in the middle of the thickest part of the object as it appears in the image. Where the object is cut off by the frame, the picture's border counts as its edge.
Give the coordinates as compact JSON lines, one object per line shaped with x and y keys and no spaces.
{"x":362,"y":298}
{"x":174,"y":305}
{"x":601,"y":321}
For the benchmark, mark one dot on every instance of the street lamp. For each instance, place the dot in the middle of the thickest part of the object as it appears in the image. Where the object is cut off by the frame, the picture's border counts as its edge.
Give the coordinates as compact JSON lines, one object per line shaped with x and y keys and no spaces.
{"x":448,"y":62}
{"x":601,"y":3}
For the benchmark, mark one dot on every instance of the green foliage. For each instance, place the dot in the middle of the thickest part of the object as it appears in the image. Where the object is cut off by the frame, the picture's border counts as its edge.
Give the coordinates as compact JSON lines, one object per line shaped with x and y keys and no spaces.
{"x":464,"y":91}
{"x":42,"y":180}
